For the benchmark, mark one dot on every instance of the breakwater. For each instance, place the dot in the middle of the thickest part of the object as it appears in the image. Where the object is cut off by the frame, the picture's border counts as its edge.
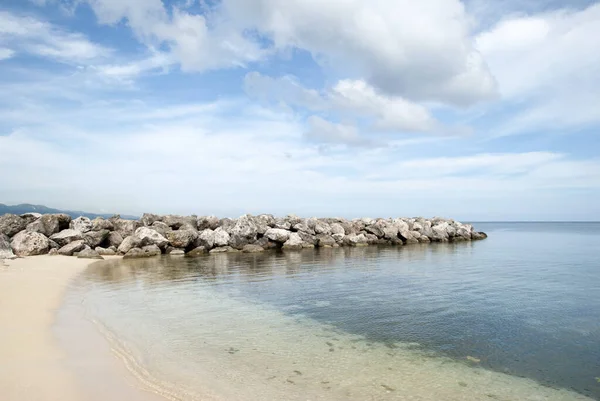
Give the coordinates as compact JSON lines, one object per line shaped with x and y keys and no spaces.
{"x":152,"y":235}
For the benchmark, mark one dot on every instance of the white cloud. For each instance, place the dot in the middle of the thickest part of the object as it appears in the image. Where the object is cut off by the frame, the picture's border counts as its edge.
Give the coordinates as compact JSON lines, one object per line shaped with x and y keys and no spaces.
{"x":323,"y":131}
{"x":548,"y":64}
{"x":417,"y":50}
{"x":350,"y":98}
{"x":6,"y":53}
{"x":46,"y":40}
{"x":285,"y":89}
{"x":193,"y":42}
{"x":127,"y":72}
{"x":390,"y":112}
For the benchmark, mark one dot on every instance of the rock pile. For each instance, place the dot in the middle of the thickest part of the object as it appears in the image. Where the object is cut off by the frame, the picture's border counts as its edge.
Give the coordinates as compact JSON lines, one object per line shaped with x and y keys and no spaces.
{"x":153,"y":235}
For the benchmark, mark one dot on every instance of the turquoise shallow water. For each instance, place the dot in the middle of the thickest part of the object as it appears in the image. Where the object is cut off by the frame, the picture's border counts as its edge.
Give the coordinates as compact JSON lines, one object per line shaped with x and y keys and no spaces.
{"x":458,"y":319}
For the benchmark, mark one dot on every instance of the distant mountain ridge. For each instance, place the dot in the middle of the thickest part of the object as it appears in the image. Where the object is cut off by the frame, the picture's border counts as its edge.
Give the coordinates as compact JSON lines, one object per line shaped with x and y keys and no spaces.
{"x":28,"y":208}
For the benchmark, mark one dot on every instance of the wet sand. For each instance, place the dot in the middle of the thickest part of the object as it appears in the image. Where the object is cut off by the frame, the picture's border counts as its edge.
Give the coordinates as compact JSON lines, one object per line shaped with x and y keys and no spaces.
{"x":33,"y":366}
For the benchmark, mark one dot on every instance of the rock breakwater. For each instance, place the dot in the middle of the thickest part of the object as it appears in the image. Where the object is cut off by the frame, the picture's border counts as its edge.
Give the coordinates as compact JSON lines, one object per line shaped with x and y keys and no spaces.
{"x":152,"y":235}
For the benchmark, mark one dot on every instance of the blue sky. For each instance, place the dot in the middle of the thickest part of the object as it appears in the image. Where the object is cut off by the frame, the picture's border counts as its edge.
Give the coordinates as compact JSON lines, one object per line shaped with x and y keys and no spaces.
{"x":474,"y":110}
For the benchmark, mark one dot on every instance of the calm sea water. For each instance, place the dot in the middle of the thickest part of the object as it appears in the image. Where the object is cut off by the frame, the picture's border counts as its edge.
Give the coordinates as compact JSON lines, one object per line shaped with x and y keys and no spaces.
{"x":516,"y":316}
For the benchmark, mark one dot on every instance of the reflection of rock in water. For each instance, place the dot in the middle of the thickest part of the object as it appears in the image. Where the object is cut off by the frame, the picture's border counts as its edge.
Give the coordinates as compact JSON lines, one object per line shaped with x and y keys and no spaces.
{"x":253,"y":267}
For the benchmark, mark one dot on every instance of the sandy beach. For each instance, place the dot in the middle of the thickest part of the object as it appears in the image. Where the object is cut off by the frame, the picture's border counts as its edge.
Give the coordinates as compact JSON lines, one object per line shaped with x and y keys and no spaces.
{"x":33,"y":365}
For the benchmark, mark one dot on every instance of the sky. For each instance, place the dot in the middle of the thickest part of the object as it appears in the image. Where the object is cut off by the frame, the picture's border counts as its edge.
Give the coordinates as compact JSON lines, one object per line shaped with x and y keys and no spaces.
{"x":475,"y":110}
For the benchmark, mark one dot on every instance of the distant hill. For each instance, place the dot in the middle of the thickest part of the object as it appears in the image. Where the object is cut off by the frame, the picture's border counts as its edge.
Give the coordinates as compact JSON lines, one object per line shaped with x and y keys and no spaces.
{"x":27,"y":208}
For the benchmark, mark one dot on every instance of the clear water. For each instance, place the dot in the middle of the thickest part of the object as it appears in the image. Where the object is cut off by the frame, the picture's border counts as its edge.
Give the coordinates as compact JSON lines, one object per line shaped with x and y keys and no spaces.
{"x":514,"y":317}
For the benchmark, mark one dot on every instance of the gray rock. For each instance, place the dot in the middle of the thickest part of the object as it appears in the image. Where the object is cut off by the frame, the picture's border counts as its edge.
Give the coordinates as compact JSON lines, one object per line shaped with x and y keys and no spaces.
{"x":5,"y":249}
{"x":95,"y":238}
{"x":144,"y":252}
{"x":161,"y":228}
{"x":88,"y":254}
{"x":294,"y":242}
{"x":206,"y":238}
{"x":198,"y":251}
{"x":47,"y":224}
{"x":179,"y":222}
{"x":264,"y":222}
{"x":53,"y":245}
{"x":307,"y":238}
{"x":30,"y":217}
{"x":440,"y":232}
{"x":125,"y":227}
{"x":207,"y":223}
{"x":114,"y":239}
{"x":27,"y":243}
{"x":105,"y":251}
{"x":223,"y":249}
{"x":277,"y":234}
{"x":337,"y":231}
{"x":66,"y":236}
{"x":64,"y":221}
{"x":102,"y":224}
{"x":11,"y":224}
{"x":148,"y":236}
{"x":221,"y":237}
{"x":238,"y":241}
{"x":148,"y":219}
{"x":75,"y":246}
{"x":128,"y":244}
{"x":325,"y":240}
{"x":355,"y":240}
{"x":244,"y":232}
{"x":375,"y":229}
{"x":252,"y":248}
{"x":81,"y":224}
{"x":266,"y":243}
{"x":478,"y":235}
{"x":390,"y":231}
{"x":226,"y":224}
{"x":282,"y":224}
{"x":182,"y":238}
{"x":408,"y":237}
{"x":319,"y":226}
{"x":53,"y":252}
{"x":177,"y":252}
{"x":304,"y":228}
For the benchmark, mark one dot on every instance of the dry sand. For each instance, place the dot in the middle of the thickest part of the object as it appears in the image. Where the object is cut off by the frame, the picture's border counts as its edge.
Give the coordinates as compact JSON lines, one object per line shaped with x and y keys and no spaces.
{"x":33,"y":367}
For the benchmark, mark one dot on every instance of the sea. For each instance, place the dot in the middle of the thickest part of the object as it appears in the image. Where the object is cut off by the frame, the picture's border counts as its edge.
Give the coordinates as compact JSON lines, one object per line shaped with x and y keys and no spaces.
{"x":512,"y":317}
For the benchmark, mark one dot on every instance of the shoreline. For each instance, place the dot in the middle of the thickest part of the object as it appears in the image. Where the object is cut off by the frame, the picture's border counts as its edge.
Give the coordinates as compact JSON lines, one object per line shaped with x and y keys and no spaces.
{"x":34,"y":365}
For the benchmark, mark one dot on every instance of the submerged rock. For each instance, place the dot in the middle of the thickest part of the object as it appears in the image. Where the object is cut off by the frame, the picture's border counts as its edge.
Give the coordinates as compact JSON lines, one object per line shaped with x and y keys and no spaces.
{"x":252,"y":248}
{"x":89,"y":254}
{"x":478,"y":235}
{"x":198,"y":251}
{"x":105,"y":251}
{"x":223,"y":249}
{"x":144,"y":252}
